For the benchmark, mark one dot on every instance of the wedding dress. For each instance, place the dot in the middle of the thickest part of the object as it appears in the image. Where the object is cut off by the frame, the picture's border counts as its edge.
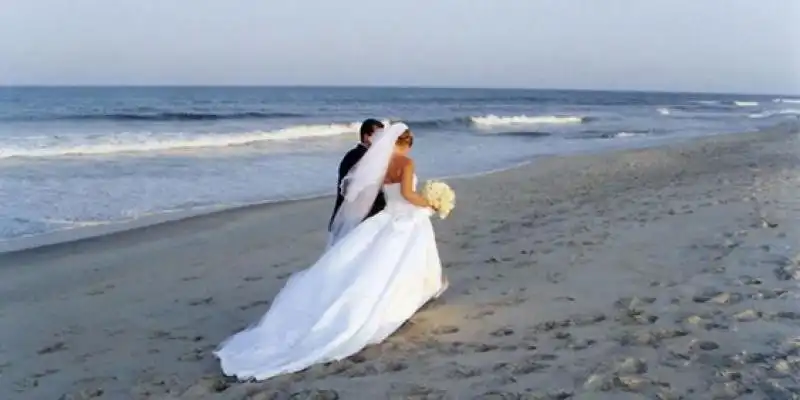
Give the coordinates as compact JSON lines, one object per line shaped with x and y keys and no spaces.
{"x":359,"y":292}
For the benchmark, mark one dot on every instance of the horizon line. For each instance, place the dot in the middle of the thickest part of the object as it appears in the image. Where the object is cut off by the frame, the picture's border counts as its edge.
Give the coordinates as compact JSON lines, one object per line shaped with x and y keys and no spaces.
{"x":336,"y":86}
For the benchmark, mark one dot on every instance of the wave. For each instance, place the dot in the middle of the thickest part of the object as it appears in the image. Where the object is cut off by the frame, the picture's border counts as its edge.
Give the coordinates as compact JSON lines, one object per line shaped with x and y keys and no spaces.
{"x":494,"y":120}
{"x":622,"y":135}
{"x":158,"y":116}
{"x":708,"y":102}
{"x":775,"y":113}
{"x":717,"y":104}
{"x":782,"y":100}
{"x":439,"y":123}
{"x":149,"y":142}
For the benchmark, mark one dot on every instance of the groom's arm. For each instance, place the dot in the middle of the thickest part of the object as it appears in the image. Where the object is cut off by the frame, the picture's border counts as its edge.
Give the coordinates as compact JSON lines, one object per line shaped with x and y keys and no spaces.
{"x":348,"y":162}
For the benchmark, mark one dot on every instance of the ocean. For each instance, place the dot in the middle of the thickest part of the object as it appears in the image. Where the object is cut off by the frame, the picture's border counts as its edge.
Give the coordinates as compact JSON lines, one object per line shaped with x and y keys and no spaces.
{"x":83,"y":157}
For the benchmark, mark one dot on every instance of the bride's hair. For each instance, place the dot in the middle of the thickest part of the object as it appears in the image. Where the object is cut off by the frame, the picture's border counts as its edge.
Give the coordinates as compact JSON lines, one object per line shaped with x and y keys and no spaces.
{"x":406,"y":139}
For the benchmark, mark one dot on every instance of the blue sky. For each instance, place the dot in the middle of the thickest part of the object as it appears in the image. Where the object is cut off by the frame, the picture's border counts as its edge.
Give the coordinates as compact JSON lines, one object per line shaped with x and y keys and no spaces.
{"x":691,"y":45}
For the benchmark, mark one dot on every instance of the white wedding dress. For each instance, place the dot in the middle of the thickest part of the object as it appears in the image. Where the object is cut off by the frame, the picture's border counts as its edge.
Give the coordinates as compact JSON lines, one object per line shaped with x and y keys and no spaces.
{"x":358,"y":293}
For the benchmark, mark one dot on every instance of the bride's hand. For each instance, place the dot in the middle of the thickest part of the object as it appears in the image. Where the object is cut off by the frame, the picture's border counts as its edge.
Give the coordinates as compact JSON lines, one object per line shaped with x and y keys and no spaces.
{"x":432,"y":210}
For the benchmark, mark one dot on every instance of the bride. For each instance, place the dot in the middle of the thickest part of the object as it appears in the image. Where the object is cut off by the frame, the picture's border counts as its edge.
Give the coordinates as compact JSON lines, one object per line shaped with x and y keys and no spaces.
{"x":373,"y":276}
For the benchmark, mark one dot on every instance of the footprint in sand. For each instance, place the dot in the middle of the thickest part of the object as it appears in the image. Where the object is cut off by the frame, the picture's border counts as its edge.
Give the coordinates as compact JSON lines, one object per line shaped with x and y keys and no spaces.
{"x":786,"y":315}
{"x":564,"y":298}
{"x":505,"y":331}
{"x":99,"y":291}
{"x":561,"y":335}
{"x":548,"y":326}
{"x":652,"y":338}
{"x":445,"y":330}
{"x":360,"y":371}
{"x":203,"y":301}
{"x":160,"y":334}
{"x":768,"y":294}
{"x":206,"y":386}
{"x":53,"y":348}
{"x":483,"y":347}
{"x":315,"y":395}
{"x":411,"y":391}
{"x":481,"y":314}
{"x":527,"y":366}
{"x":580,"y":344}
{"x":706,"y":345}
{"x":554,"y":277}
{"x":195,"y":355}
{"x":256,"y":303}
{"x":749,"y":280}
{"x":460,"y":371}
{"x":631,"y":303}
{"x":747,"y":315}
{"x":588,"y":319}
{"x":48,"y":372}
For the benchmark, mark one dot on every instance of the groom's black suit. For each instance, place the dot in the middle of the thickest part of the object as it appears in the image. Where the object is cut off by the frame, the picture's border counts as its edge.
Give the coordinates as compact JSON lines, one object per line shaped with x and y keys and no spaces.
{"x":348,"y":162}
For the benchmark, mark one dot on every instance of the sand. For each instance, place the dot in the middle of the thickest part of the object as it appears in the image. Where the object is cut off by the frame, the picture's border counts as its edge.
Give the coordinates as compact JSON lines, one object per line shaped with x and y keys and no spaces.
{"x":660,"y":273}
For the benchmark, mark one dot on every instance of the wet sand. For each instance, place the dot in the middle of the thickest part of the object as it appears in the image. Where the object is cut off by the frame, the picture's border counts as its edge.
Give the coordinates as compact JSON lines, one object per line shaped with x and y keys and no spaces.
{"x":659,"y":273}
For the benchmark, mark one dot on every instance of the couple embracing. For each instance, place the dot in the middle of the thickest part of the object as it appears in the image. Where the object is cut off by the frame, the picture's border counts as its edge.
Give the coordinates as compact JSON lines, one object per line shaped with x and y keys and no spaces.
{"x":381,"y":265}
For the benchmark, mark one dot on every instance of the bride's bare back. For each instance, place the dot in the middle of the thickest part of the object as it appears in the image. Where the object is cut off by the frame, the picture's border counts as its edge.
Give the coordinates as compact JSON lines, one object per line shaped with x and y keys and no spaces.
{"x":401,"y":170}
{"x":397,"y":165}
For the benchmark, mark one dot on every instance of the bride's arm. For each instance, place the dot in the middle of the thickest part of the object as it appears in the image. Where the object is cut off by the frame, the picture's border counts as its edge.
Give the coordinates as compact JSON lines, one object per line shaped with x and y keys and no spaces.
{"x":407,"y":186}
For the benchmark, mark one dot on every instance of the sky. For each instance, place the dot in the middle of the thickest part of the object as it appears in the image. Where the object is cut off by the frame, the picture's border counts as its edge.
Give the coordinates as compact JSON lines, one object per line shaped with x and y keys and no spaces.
{"x":742,"y":46}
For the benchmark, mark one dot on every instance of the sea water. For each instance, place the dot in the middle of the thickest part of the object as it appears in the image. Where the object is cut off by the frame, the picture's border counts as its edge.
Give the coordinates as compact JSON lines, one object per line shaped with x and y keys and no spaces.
{"x":94,"y":156}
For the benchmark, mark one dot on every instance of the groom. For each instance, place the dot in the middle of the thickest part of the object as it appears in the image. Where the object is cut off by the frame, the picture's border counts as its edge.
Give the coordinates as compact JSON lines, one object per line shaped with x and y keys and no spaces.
{"x":368,"y":129}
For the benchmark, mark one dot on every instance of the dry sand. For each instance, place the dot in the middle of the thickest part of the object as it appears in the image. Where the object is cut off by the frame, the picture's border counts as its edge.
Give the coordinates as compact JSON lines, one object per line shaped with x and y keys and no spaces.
{"x":658,"y":273}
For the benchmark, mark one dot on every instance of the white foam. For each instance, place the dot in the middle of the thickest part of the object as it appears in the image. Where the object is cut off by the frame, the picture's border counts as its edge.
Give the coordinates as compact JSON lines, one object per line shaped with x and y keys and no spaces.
{"x":782,"y":100}
{"x":148,"y":142}
{"x":494,"y":120}
{"x":664,"y":111}
{"x":746,"y":103}
{"x":708,"y":102}
{"x":773,"y":113}
{"x":628,"y":134}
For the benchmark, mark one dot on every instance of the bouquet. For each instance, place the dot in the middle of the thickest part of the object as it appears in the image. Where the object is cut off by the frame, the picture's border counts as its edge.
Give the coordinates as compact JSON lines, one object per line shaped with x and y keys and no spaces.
{"x":440,"y":196}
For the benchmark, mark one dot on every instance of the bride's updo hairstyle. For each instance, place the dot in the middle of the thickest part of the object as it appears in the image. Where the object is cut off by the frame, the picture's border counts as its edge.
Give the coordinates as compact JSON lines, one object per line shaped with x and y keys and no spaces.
{"x":405,"y":140}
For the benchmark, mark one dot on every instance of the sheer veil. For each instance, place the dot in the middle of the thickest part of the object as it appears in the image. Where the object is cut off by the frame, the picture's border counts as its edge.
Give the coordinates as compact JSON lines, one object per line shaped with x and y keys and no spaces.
{"x":362,"y":184}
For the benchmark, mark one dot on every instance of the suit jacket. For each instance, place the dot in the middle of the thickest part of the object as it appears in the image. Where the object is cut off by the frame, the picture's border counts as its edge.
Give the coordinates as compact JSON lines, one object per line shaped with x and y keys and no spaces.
{"x":348,"y":162}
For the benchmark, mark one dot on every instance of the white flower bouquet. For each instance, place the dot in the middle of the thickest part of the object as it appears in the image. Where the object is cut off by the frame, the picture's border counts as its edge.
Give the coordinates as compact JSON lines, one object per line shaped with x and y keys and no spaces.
{"x":440,"y":196}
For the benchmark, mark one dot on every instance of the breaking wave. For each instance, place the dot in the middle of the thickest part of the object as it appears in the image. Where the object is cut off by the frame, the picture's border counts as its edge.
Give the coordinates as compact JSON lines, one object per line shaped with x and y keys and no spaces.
{"x":149,"y":142}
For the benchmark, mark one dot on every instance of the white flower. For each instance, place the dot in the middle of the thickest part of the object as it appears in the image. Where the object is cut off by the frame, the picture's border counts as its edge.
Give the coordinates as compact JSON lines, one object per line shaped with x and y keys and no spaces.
{"x":440,"y":196}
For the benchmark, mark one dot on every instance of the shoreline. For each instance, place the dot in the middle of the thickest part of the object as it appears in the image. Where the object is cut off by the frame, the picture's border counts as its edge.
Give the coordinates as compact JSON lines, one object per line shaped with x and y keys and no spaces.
{"x":80,"y":234}
{"x":77,"y":235}
{"x":663,"y":272}
{"x":88,"y":233}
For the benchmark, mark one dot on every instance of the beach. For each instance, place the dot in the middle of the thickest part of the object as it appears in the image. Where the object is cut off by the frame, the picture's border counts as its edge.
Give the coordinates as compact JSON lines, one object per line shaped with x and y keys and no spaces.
{"x":668,"y":272}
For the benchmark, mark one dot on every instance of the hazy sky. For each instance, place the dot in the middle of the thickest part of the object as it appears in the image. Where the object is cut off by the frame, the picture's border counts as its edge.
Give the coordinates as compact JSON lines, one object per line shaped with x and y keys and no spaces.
{"x":697,"y":45}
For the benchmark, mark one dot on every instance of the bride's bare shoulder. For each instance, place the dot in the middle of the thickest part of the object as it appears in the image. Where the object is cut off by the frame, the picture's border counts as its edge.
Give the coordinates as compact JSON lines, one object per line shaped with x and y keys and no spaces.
{"x":404,"y":160}
{"x":400,"y":162}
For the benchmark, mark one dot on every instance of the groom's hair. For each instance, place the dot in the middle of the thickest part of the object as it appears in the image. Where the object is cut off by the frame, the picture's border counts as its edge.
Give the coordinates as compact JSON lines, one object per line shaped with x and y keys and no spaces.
{"x":369,"y":126}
